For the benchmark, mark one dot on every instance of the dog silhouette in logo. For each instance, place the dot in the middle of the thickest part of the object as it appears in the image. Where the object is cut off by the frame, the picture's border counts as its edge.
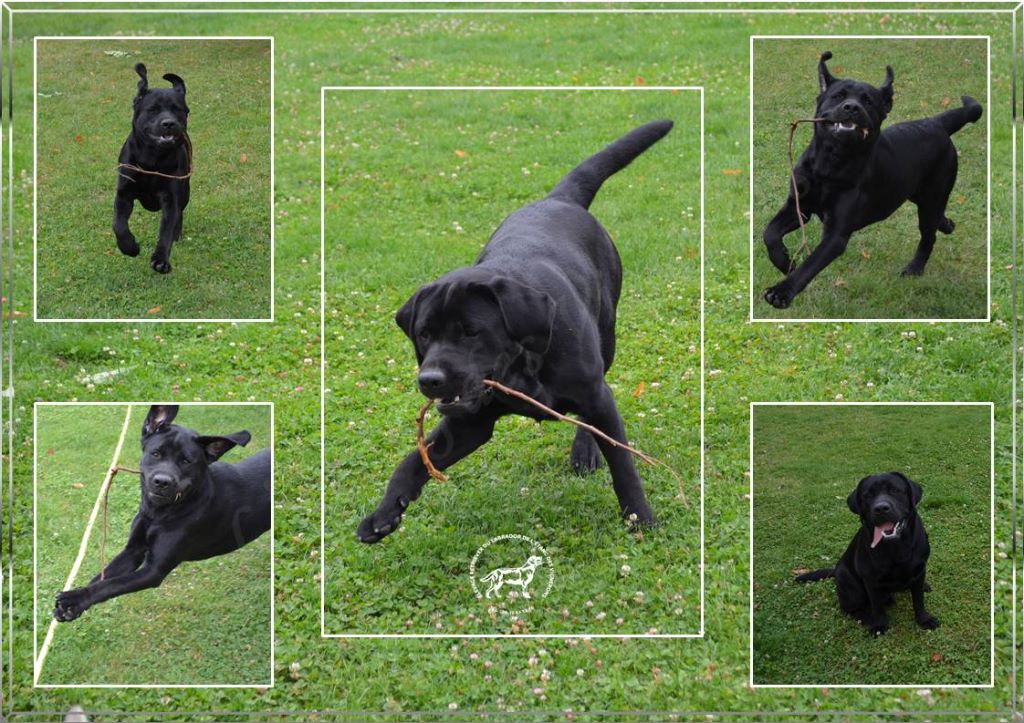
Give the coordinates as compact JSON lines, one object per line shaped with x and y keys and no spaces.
{"x":520,"y":577}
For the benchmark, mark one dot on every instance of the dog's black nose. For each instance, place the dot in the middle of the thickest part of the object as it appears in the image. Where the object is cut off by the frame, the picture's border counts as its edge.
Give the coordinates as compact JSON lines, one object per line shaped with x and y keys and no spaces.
{"x":432,"y":381}
{"x":161,"y":481}
{"x":881,"y":507}
{"x":168,"y":124}
{"x":848,"y":106}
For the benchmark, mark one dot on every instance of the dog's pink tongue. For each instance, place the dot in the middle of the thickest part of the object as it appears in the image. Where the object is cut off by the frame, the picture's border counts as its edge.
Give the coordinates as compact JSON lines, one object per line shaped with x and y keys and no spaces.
{"x":879,"y":529}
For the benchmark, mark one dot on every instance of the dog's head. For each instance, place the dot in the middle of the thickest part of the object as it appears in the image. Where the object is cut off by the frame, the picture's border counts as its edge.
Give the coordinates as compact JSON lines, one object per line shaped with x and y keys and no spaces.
{"x":474,"y":324}
{"x":853,"y":111}
{"x":175,"y":459}
{"x":887,"y":505}
{"x":160,"y":115}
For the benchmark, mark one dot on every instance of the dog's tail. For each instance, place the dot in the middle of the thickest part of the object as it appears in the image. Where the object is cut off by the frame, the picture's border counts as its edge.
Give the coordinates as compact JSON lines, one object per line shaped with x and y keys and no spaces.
{"x":815,"y":575}
{"x":581,"y":184}
{"x":955,"y":119}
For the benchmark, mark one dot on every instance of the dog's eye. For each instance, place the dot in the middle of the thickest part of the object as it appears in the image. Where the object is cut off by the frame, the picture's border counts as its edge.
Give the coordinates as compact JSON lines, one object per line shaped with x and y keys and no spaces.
{"x":423,"y":335}
{"x":470,"y":332}
{"x":867,"y":100}
{"x":155,"y":454}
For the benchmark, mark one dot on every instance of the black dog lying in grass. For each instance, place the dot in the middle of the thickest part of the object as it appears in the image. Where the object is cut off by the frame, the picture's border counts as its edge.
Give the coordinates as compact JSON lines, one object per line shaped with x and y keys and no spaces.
{"x":192,"y":508}
{"x":537,"y":313}
{"x":154,"y":166}
{"x":854,"y":174}
{"x":888,"y":554}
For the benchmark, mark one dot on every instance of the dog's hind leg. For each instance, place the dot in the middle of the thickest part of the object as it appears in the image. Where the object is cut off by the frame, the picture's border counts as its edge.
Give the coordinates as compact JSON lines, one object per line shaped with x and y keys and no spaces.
{"x":931,"y":213}
{"x":586,"y":455}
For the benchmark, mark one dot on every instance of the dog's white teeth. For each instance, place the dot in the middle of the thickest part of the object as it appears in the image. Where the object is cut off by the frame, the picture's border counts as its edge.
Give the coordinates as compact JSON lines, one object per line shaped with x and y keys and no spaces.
{"x":457,"y":398}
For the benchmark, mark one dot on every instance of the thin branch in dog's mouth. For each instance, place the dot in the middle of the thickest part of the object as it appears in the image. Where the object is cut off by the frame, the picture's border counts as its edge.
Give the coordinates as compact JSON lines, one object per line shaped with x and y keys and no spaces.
{"x":423,"y":447}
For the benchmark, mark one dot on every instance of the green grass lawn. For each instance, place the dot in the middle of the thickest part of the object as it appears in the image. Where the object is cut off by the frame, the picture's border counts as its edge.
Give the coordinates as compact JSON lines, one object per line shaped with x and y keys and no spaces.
{"x":208,"y":623}
{"x":864,"y":283}
{"x":416,"y":183}
{"x":807,"y":459}
{"x":222,"y":262}
{"x":390,"y":678}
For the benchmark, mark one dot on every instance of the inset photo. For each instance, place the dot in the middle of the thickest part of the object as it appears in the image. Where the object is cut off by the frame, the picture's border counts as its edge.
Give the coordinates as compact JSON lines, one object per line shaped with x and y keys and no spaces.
{"x":153,"y":545}
{"x":870,"y":178}
{"x":153,"y":179}
{"x":871,"y":545}
{"x":495,"y":258}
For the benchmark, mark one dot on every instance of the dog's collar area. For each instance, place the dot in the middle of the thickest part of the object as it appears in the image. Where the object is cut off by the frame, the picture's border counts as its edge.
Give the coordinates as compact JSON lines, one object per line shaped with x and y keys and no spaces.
{"x":146,"y":172}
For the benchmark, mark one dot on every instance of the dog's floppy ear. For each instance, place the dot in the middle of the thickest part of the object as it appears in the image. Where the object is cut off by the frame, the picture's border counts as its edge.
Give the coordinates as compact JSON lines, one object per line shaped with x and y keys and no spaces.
{"x":140,"y":68}
{"x":406,"y":316}
{"x":215,"y":447}
{"x":529,"y":314}
{"x":825,"y":78}
{"x":160,"y":415}
{"x":886,"y":88}
{"x":853,"y":500}
{"x":176,"y":82}
{"x":916,"y":493}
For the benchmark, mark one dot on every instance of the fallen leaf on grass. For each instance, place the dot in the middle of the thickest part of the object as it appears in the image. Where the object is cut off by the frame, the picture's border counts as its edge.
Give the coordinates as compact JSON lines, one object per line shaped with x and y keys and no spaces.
{"x":78,"y":486}
{"x":154,"y":310}
{"x":640,"y":389}
{"x":946,"y":101}
{"x":840,"y":282}
{"x":865,"y":253}
{"x":244,"y":158}
{"x":460,"y":153}
{"x":732,"y":171}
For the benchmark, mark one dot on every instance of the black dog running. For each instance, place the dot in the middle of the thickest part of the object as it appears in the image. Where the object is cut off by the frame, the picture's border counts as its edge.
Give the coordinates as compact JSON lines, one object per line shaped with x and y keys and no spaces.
{"x":154,"y":167}
{"x":854,"y":174}
{"x":192,"y":508}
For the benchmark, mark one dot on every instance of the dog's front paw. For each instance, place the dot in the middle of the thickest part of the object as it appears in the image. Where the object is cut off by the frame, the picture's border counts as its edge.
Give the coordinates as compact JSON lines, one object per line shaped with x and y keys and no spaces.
{"x":912,"y":269}
{"x":927,"y":621}
{"x":128,"y":245}
{"x":779,"y":295}
{"x":640,"y":516}
{"x":162,"y":266}
{"x":586,"y":455}
{"x":384,"y":520}
{"x":877,"y":626}
{"x":71,"y":604}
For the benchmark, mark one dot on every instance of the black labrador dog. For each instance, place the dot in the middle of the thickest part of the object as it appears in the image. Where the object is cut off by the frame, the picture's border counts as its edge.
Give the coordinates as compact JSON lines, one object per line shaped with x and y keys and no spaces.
{"x":854,"y":174}
{"x":192,"y":507}
{"x":536,"y":312}
{"x":155,"y":166}
{"x":888,"y":554}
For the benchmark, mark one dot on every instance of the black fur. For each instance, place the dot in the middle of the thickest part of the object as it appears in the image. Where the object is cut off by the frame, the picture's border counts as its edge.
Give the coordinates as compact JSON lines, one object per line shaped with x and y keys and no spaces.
{"x":537,"y":313}
{"x":192,"y":507}
{"x":854,"y":174}
{"x":157,"y":142}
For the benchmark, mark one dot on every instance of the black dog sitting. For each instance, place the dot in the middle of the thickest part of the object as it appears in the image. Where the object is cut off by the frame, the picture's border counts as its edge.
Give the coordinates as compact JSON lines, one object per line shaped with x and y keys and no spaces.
{"x":192,"y":508}
{"x":854,"y":174}
{"x":536,"y":313}
{"x":888,"y":554}
{"x":154,"y":167}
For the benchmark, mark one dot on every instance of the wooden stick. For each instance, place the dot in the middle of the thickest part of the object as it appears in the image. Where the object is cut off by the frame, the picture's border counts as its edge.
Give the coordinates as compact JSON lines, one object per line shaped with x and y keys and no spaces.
{"x":590,"y":428}
{"x":423,"y":447}
{"x":796,"y":194}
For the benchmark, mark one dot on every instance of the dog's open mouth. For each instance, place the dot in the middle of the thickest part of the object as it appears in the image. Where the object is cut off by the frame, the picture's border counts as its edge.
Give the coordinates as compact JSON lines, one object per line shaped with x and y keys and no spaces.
{"x":166,"y":139}
{"x":849,"y":126}
{"x":463,"y":403}
{"x":887,"y":530}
